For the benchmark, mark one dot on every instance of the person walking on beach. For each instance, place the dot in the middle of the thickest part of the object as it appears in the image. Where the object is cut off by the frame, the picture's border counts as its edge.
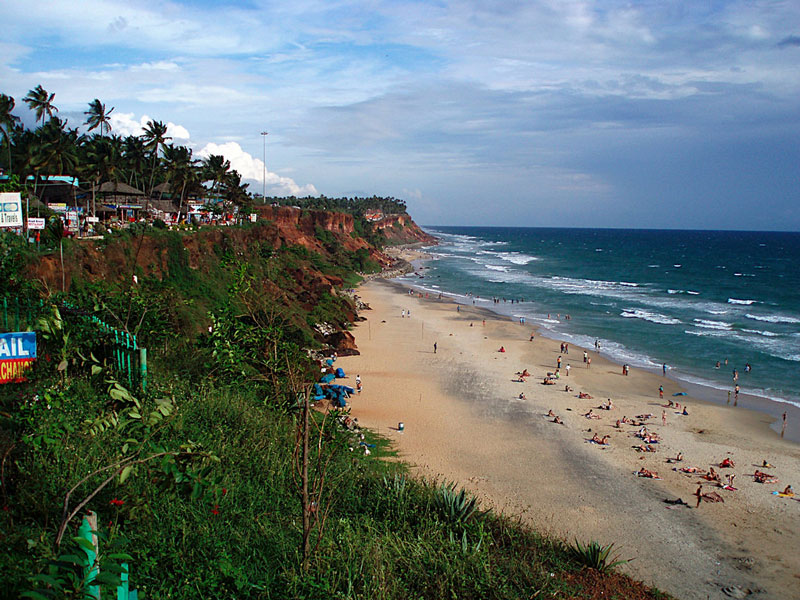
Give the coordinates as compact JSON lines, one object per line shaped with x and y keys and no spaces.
{"x":566,"y":348}
{"x":664,"y":369}
{"x":567,"y":369}
{"x":736,"y":394}
{"x":585,"y":355}
{"x":403,"y":314}
{"x":588,"y":362}
{"x":558,"y":363}
{"x":661,"y":391}
{"x":434,"y":347}
{"x":663,"y":417}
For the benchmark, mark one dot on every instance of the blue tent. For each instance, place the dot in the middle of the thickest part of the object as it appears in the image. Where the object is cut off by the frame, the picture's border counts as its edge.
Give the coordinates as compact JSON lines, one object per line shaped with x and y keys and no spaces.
{"x":340,"y":373}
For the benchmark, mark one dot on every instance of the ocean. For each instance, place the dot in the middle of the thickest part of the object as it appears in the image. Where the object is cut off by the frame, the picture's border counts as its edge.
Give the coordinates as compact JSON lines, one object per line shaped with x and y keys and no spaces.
{"x":687,"y":299}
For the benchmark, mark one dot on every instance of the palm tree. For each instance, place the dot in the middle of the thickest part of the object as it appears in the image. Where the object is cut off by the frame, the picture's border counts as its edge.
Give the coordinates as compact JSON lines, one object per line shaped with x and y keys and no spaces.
{"x":216,"y":169}
{"x":41,"y":103}
{"x":56,"y":150}
{"x":8,"y":122}
{"x":97,"y":116}
{"x":135,"y":157}
{"x":155,"y":135}
{"x":181,"y":170}
{"x":102,"y":162}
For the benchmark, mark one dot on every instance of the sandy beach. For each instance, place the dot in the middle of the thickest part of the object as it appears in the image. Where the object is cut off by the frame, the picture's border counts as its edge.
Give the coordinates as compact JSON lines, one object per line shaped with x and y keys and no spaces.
{"x":464,"y":420}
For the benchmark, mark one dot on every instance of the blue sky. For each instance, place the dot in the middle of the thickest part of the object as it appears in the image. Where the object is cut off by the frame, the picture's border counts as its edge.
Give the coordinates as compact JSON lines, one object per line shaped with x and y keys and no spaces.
{"x":533,"y":113}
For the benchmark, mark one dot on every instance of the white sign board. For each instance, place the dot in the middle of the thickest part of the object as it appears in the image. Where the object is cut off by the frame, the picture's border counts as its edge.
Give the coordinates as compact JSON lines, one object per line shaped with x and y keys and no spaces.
{"x":253,"y":217}
{"x":92,"y":219}
{"x":10,"y":209}
{"x":35,"y":223}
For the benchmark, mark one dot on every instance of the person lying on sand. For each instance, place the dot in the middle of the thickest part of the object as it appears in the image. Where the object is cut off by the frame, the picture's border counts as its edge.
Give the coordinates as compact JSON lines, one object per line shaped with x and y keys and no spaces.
{"x":690,"y":470}
{"x":678,"y":458}
{"x":568,"y":389}
{"x":548,"y":381}
{"x":643,"y":417}
{"x":522,"y":396}
{"x":606,"y":405}
{"x":596,"y":439}
{"x":727,"y":463}
{"x":643,"y":448}
{"x":708,"y":496}
{"x":766,"y":465}
{"x":651,"y":438}
{"x":678,"y":502}
{"x":788,"y":491}
{"x":584,"y":396}
{"x":558,"y":420}
{"x":712,"y":475}
{"x":591,"y":415}
{"x":647,"y":473}
{"x":550,"y":413}
{"x":761,"y":477}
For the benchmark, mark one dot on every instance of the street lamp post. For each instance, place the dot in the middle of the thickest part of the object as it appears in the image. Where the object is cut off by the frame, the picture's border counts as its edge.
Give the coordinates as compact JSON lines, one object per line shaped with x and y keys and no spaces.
{"x":264,"y":135}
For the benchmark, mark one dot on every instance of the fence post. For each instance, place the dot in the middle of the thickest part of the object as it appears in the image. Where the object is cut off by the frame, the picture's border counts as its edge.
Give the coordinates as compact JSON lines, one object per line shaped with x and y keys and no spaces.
{"x":16,"y":314}
{"x":128,"y":358}
{"x":5,"y":312}
{"x":123,"y":589}
{"x":88,"y":525}
{"x":143,"y":367}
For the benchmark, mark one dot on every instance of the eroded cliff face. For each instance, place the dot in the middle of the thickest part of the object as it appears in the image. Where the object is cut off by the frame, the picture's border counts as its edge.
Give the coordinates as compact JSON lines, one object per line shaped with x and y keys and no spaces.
{"x":401,"y":229}
{"x":165,"y":256}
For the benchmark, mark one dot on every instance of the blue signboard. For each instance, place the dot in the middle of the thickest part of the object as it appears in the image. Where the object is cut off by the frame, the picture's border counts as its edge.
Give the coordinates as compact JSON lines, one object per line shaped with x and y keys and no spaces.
{"x":17,"y":353}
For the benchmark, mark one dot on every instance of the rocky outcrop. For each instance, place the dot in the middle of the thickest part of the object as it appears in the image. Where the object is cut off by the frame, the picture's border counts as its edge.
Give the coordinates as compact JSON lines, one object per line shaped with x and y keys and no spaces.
{"x":401,"y":229}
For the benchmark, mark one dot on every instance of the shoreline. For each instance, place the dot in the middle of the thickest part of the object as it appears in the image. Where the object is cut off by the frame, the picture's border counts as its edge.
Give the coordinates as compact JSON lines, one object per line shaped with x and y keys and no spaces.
{"x":703,"y":391}
{"x":464,"y":422}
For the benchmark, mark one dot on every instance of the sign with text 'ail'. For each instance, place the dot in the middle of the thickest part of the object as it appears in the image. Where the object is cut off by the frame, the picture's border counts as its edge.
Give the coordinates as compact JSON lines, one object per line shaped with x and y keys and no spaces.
{"x":17,"y":353}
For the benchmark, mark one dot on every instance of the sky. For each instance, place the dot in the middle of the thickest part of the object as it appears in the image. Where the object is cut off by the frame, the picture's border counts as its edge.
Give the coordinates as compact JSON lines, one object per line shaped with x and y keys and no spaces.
{"x":648,"y":114}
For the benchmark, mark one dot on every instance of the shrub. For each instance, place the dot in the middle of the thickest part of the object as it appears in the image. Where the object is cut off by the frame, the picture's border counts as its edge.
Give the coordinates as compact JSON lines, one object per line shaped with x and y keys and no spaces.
{"x":595,"y":556}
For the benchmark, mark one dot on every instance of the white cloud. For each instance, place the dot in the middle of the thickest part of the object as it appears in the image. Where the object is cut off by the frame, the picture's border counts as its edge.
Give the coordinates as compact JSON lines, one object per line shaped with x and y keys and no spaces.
{"x":126,"y":124}
{"x":253,"y":169}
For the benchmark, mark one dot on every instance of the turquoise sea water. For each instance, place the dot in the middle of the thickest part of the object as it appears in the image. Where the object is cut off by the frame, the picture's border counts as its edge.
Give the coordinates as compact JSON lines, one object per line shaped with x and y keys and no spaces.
{"x":684,"y":298}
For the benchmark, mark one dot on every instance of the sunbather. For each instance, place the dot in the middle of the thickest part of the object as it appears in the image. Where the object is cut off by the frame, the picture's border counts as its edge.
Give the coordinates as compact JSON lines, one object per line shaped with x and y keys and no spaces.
{"x":727,"y":463}
{"x":761,"y":477}
{"x":788,"y":491}
{"x":647,"y":473}
{"x":678,"y":458}
{"x":591,"y":415}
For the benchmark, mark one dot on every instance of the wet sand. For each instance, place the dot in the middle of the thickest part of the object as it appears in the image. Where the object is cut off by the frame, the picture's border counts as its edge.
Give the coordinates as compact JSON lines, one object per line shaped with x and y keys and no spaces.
{"x":464,"y":421}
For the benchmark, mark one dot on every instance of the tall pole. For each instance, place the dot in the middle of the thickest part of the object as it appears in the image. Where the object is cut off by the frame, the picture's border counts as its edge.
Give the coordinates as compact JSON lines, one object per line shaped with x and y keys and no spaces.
{"x":264,"y":135}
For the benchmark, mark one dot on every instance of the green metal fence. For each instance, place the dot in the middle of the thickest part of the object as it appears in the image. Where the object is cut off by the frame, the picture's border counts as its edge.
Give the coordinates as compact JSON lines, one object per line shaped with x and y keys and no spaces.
{"x":120,"y":348}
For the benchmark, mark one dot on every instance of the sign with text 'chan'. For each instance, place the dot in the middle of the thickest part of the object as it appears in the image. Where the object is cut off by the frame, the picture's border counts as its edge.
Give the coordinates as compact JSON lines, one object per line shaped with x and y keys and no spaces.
{"x":17,"y":353}
{"x":10,"y":209}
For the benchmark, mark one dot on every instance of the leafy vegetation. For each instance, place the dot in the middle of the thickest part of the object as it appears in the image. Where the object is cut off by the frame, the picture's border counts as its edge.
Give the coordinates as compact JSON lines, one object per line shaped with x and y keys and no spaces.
{"x":217,"y":481}
{"x":595,"y":556}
